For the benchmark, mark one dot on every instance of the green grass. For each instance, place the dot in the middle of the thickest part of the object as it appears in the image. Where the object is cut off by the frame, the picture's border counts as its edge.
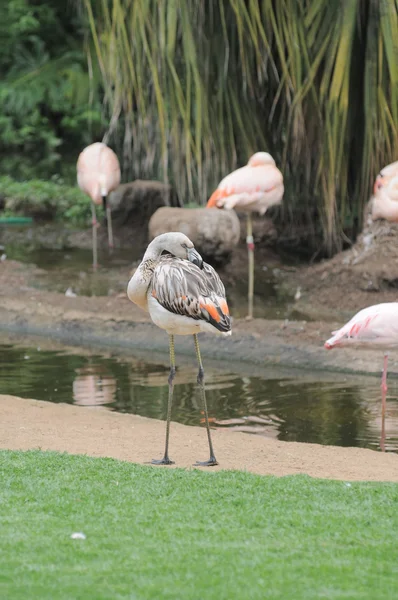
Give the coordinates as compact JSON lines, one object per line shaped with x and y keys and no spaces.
{"x":158,"y":533}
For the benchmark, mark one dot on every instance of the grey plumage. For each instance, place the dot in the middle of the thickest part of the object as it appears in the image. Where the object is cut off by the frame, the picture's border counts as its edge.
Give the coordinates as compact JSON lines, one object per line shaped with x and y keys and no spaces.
{"x":183,"y":288}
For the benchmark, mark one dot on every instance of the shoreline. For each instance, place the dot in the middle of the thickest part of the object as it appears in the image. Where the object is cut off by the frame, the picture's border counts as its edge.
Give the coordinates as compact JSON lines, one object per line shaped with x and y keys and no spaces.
{"x":115,"y":324}
{"x":34,"y":424}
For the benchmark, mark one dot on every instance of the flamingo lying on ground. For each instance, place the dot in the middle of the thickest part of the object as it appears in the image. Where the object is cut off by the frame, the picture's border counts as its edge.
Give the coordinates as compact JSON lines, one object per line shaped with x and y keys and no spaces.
{"x":253,"y":188}
{"x":184,"y":296}
{"x":385,"y":200}
{"x":98,"y":173}
{"x":373,"y":326}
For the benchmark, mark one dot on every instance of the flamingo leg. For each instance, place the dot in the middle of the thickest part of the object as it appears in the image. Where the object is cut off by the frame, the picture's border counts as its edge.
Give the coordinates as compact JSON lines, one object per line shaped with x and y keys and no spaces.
{"x":383,"y":403}
{"x":166,"y":460}
{"x":110,"y":232}
{"x":94,"y":224}
{"x":108,"y":219}
{"x":201,"y":381}
{"x":250,"y":251}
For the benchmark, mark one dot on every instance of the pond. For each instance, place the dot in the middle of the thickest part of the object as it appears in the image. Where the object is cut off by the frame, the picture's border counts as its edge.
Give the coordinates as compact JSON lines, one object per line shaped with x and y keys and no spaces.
{"x":300,"y":407}
{"x":61,"y":270}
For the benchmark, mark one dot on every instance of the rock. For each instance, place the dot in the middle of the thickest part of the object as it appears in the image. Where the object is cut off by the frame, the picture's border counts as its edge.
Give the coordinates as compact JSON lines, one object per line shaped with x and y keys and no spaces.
{"x":215,"y":233}
{"x":135,"y":202}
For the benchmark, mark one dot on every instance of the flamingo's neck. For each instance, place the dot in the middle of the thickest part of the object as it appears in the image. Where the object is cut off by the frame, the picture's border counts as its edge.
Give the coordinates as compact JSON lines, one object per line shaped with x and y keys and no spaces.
{"x":137,"y":288}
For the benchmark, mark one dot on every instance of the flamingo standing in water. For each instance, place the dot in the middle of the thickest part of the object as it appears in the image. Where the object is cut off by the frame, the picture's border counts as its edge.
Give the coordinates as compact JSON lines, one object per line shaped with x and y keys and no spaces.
{"x":184,"y":296}
{"x":373,"y":326}
{"x":253,"y":188}
{"x":98,"y":173}
{"x":385,"y":200}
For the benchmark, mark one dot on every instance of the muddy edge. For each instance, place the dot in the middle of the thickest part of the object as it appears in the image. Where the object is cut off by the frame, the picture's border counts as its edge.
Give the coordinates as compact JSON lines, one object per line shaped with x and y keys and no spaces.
{"x":259,"y":344}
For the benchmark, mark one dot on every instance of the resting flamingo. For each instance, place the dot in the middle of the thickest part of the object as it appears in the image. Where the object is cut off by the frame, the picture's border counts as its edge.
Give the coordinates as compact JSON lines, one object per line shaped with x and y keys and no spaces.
{"x":98,"y":173}
{"x":373,"y":326}
{"x":253,"y":188}
{"x":184,"y":296}
{"x":385,"y":200}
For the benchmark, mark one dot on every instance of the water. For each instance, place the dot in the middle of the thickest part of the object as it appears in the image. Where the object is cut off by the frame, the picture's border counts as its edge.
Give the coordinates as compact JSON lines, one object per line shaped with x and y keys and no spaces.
{"x":60,"y":269}
{"x":336,"y":410}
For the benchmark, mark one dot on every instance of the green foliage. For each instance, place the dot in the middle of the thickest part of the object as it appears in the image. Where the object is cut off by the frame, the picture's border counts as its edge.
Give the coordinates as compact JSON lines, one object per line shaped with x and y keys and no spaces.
{"x":46,"y":200}
{"x":199,"y":86}
{"x":159,"y":533}
{"x":49,"y":105}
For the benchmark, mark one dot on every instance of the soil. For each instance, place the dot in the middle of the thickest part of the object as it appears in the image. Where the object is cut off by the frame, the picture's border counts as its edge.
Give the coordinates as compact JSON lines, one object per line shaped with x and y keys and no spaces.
{"x":327,"y":293}
{"x":32,"y":424}
{"x":365,"y":274}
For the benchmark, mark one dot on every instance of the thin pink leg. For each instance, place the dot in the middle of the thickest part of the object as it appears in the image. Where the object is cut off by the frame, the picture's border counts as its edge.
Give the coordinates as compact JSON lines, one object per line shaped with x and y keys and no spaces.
{"x":383,"y":404}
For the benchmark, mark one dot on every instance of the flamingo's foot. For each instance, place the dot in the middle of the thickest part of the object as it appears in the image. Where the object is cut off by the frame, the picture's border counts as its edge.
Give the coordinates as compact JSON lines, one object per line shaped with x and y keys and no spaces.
{"x":212,"y":462}
{"x":164,"y":461}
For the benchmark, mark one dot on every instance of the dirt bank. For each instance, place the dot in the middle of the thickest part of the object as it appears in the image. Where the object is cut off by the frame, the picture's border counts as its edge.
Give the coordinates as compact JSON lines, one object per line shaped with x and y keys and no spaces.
{"x":114,"y":322}
{"x":31,"y":424}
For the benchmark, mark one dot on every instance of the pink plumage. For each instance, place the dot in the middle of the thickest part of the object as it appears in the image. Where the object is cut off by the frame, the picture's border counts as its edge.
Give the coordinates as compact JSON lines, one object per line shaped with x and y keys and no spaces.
{"x":373,"y":326}
{"x":385,"y":199}
{"x":98,"y":171}
{"x":253,"y":188}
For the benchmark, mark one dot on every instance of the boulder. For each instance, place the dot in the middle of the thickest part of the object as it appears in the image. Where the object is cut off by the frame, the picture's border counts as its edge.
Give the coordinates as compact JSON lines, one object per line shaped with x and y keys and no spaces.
{"x":133,"y":203}
{"x":215,"y":233}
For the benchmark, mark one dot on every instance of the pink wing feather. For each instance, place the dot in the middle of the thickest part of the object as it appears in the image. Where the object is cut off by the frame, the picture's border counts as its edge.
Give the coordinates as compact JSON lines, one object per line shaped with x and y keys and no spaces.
{"x":249,"y":188}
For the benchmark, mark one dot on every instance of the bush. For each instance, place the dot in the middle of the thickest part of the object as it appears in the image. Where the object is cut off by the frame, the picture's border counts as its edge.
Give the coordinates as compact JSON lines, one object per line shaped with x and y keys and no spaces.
{"x":46,"y":201}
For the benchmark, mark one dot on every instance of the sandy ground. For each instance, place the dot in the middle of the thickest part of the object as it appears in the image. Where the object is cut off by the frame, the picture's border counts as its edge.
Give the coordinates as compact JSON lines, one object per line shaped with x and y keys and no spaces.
{"x":32,"y":424}
{"x":331,"y":291}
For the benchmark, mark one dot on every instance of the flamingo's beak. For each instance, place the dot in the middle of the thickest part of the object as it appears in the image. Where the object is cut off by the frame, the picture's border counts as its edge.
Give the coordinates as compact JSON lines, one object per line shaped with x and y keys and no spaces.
{"x":328,"y":346}
{"x":195,"y":258}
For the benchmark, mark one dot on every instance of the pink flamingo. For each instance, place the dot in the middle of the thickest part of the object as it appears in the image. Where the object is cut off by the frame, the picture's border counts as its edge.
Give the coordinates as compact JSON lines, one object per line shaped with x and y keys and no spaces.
{"x":253,"y":188}
{"x":98,"y":173}
{"x":373,"y":326}
{"x":385,"y":200}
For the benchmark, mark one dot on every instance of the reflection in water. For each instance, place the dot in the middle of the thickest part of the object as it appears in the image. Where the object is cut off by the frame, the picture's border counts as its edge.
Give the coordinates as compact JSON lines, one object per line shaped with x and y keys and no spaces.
{"x":92,"y":386}
{"x":300,"y":409}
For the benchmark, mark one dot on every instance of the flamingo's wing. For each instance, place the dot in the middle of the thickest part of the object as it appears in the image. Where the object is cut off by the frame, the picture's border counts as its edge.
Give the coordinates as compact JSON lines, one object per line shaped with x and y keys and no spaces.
{"x":248,"y":186}
{"x":184,"y":289}
{"x":109,"y":168}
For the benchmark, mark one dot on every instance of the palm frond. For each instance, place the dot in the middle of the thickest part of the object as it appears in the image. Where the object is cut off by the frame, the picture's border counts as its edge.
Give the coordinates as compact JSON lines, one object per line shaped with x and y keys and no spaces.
{"x":197,"y":87}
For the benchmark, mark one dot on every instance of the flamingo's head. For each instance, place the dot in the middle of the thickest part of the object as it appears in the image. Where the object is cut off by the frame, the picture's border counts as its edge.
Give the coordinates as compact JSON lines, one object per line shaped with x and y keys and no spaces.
{"x":179,"y":245}
{"x":260,"y":159}
{"x":379,"y":183}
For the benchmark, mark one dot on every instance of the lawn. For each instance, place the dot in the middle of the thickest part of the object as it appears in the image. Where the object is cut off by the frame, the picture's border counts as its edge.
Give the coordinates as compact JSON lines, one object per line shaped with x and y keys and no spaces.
{"x":163,"y":533}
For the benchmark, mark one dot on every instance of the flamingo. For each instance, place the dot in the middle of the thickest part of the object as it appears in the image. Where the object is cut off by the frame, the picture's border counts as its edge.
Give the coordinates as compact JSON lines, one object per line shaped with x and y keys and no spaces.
{"x":183,"y":296}
{"x":377,"y":326}
{"x":385,"y":201}
{"x":98,"y":173}
{"x":253,"y":188}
